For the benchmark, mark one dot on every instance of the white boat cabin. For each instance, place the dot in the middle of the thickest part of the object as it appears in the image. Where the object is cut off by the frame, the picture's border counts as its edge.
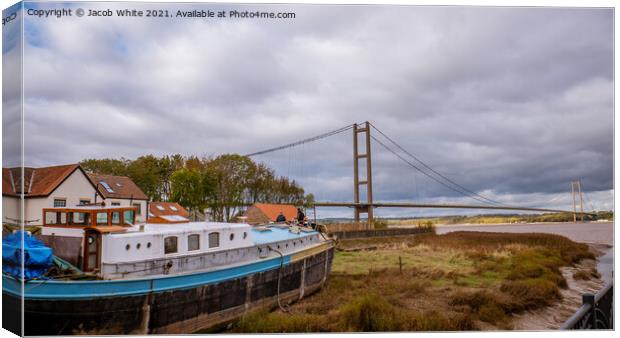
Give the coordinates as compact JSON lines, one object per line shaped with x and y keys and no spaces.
{"x":110,"y":237}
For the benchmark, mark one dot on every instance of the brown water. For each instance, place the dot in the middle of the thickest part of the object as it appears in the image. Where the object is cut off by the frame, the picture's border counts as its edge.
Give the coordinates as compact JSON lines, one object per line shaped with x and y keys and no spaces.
{"x":593,"y":233}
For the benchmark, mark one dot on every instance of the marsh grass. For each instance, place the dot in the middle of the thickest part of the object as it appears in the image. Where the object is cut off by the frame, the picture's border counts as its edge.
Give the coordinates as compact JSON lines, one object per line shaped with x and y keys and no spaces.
{"x":449,"y":282}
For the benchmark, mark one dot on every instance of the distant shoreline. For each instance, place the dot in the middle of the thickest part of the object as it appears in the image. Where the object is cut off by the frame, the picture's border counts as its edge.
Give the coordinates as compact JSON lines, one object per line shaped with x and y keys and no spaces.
{"x":491,"y":224}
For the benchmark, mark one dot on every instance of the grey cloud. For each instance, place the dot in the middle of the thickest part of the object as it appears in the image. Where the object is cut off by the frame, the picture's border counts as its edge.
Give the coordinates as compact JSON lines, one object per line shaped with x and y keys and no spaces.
{"x":511,"y":101}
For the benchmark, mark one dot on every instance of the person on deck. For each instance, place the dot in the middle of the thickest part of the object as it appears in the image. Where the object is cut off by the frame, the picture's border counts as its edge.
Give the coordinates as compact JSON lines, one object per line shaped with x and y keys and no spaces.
{"x":281,"y":217}
{"x":300,"y":216}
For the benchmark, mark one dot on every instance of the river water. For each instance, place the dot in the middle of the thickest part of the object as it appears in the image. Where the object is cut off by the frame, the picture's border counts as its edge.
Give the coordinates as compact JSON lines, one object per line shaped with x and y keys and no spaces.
{"x":597,"y":233}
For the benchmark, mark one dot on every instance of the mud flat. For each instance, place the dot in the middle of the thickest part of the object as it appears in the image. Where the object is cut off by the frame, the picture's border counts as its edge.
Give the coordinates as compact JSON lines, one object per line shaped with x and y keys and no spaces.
{"x":455,"y":282}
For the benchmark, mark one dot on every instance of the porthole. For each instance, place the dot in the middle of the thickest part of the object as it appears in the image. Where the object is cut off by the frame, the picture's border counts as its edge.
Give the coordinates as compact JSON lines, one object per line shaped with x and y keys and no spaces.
{"x":245,"y":235}
{"x":294,"y":243}
{"x":148,"y":245}
{"x":127,"y":247}
{"x":232,"y":236}
{"x":278,"y":246}
{"x":287,"y":245}
{"x":138,"y":246}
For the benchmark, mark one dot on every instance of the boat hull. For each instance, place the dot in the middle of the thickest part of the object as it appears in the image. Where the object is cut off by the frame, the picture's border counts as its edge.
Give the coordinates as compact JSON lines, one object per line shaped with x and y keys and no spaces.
{"x":176,"y":310}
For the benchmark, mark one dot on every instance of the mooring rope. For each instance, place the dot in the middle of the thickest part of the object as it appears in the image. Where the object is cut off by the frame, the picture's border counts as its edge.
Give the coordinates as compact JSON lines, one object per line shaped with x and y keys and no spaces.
{"x":285,"y":307}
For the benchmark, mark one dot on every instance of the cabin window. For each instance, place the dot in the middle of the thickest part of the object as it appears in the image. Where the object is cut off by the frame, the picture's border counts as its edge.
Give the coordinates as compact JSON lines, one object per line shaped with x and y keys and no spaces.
{"x":138,"y":246}
{"x":52,"y":217}
{"x":116,"y":217}
{"x":102,"y":218}
{"x":214,"y":240}
{"x":138,"y":208}
{"x":127,"y":247}
{"x":193,"y":242}
{"x":116,"y":204}
{"x":60,"y":203}
{"x":170,"y":244}
{"x":81,"y":218}
{"x":84,"y":201}
{"x":128,"y":217}
{"x":232,"y":236}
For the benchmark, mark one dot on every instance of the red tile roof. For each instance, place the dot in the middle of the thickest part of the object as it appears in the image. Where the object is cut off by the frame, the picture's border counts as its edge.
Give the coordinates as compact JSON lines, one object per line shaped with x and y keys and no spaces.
{"x":122,"y":187}
{"x":168,"y":211}
{"x":38,"y":182}
{"x":273,"y":210}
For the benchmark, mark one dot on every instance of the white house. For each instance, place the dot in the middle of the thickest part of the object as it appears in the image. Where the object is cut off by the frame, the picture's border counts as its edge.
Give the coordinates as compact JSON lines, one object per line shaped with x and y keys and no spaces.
{"x":121,"y":191}
{"x":62,"y":186}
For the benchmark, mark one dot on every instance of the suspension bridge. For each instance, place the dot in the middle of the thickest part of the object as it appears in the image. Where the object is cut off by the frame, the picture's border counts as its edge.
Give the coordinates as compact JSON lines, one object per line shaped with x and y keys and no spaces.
{"x":362,"y":177}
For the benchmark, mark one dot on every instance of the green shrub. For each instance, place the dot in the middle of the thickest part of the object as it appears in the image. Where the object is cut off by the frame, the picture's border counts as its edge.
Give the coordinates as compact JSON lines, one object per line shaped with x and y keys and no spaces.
{"x":427,"y":225}
{"x":532,"y":293}
{"x":371,"y":313}
{"x":435,"y":321}
{"x":491,"y":313}
{"x":278,"y":322}
{"x":380,"y":223}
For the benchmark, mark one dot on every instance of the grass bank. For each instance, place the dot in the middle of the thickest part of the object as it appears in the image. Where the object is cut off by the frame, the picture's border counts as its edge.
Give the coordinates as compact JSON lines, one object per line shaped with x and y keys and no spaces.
{"x":452,"y":282}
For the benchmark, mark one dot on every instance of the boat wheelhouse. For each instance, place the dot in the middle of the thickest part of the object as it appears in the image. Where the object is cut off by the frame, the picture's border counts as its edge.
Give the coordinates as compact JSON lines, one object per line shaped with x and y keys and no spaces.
{"x":75,"y":233}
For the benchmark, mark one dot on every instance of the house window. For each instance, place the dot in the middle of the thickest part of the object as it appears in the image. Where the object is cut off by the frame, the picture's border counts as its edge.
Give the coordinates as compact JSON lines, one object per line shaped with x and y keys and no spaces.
{"x":139,"y":208}
{"x":193,"y":242}
{"x":214,"y":240}
{"x":170,"y":244}
{"x":60,"y":203}
{"x":84,"y":201}
{"x":116,"y":204}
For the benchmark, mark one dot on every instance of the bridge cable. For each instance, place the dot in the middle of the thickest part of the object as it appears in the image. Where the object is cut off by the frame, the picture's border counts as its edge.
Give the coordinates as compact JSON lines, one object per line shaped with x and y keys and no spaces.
{"x":424,"y":172}
{"x":308,"y":140}
{"x":433,"y":170}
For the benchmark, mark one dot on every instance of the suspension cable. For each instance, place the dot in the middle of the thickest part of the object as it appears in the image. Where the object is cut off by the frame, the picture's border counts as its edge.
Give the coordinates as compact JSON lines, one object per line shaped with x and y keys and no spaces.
{"x":308,"y":140}
{"x":433,"y":170}
{"x":424,"y":172}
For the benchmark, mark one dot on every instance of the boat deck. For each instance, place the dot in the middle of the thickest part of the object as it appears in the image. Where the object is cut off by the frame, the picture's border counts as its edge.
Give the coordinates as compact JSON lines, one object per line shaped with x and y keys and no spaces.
{"x":275,"y":234}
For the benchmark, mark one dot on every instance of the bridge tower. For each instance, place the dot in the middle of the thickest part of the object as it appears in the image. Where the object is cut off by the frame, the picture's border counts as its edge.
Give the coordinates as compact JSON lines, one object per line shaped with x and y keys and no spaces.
{"x":575,"y":187}
{"x":363,"y":207}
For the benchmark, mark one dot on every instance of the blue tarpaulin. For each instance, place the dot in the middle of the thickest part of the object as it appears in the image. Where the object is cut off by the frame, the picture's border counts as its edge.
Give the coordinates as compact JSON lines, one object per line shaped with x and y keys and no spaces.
{"x":37,"y":257}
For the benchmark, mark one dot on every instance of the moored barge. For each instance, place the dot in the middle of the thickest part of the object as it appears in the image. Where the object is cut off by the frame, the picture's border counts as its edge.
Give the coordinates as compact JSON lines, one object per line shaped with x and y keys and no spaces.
{"x":158,"y":278}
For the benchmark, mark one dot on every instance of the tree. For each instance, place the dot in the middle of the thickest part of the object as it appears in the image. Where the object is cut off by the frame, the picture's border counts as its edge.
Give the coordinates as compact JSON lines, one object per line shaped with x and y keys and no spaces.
{"x":167,"y":166}
{"x":146,"y":173}
{"x":231,"y":174}
{"x":108,"y":166}
{"x":189,"y":188}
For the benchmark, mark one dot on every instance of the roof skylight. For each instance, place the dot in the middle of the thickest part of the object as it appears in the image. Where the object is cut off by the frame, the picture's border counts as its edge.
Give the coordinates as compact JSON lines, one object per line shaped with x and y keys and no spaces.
{"x":173,"y":208}
{"x":106,"y":186}
{"x":160,"y":208}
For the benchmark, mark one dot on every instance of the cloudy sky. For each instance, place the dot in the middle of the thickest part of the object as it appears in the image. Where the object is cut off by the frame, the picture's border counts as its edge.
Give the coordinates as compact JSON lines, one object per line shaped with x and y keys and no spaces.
{"x":513,"y":103}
